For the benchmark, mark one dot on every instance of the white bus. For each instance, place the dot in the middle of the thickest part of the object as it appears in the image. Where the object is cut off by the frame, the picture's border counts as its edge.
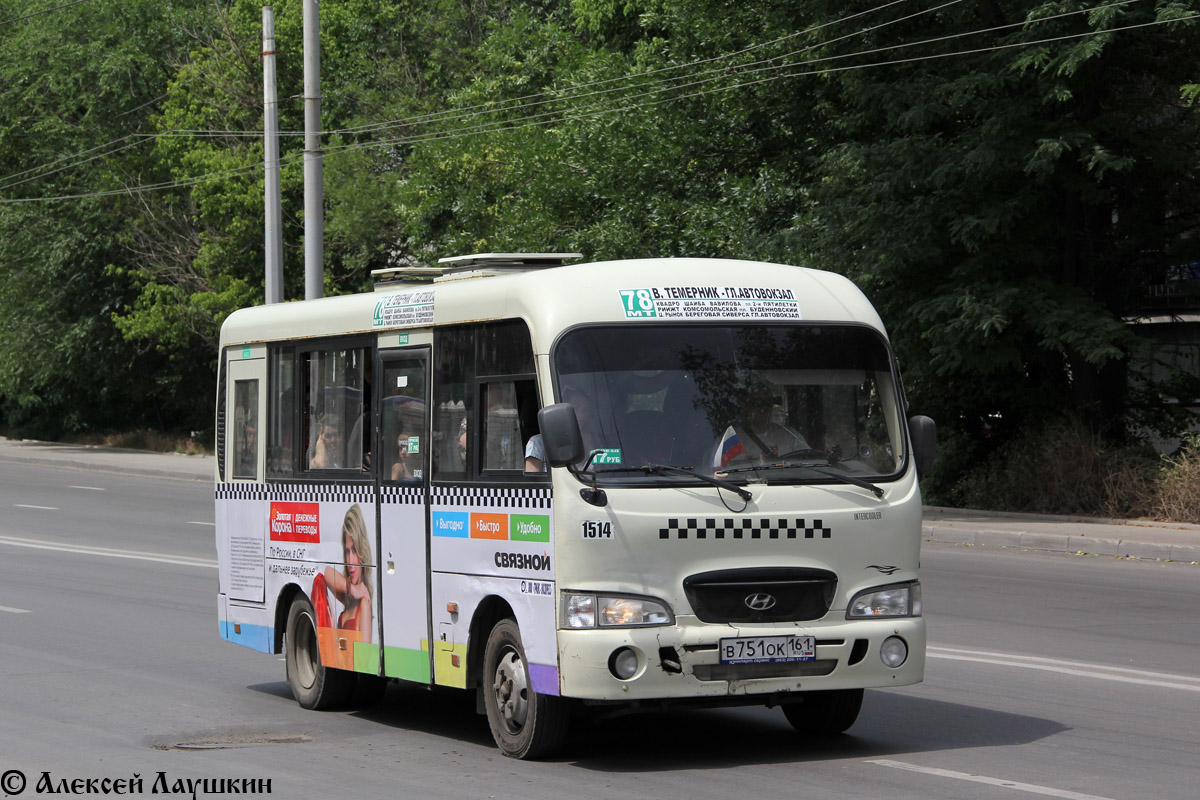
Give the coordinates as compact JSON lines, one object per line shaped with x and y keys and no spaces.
{"x":620,"y":485}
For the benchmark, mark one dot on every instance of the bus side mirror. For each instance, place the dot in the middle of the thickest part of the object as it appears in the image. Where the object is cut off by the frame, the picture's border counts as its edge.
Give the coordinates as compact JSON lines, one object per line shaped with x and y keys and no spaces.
{"x":922,"y":431}
{"x":560,"y":435}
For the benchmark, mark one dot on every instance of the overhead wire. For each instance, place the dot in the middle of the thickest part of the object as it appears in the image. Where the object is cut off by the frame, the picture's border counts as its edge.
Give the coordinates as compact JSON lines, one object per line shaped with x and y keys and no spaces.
{"x":39,"y":13}
{"x":541,"y":119}
{"x":483,"y":108}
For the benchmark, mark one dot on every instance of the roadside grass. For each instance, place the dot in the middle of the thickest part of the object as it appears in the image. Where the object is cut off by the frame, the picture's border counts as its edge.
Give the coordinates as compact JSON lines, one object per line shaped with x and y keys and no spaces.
{"x":1066,"y":468}
{"x":146,"y":439}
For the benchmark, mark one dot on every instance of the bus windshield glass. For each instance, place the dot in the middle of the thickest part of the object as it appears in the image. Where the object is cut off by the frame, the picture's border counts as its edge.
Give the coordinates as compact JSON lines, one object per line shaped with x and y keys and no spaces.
{"x":749,"y":402}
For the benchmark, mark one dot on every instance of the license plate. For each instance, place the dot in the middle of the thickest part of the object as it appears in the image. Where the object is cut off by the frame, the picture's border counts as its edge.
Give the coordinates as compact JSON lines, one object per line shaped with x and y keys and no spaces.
{"x":767,"y":649}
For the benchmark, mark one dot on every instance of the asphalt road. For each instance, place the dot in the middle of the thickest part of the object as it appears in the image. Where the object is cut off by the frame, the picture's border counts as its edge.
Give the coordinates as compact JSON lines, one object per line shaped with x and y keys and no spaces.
{"x":1049,"y":675}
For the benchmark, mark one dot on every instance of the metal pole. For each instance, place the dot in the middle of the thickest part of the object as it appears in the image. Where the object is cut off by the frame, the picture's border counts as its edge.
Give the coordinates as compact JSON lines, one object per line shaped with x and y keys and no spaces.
{"x":273,"y":280}
{"x":314,"y":213}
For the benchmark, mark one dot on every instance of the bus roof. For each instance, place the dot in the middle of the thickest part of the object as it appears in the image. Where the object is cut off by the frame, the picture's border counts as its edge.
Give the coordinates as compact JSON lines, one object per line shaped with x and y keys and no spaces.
{"x":551,"y":300}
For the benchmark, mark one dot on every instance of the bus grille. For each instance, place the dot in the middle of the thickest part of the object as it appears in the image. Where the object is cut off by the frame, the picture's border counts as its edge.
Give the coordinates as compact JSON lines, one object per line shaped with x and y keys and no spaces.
{"x":768,"y":594}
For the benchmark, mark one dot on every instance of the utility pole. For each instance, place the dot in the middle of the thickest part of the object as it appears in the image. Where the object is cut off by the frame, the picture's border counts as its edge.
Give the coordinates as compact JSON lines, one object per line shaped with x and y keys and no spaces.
{"x":314,"y":212}
{"x":273,"y":279}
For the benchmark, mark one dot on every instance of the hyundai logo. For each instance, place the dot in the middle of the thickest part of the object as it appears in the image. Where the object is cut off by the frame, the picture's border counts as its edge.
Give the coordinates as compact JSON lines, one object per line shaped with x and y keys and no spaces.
{"x":760,"y":601}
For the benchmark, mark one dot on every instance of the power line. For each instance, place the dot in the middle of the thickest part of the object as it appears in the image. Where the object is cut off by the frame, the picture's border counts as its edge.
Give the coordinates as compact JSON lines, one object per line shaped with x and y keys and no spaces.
{"x":541,"y":119}
{"x":39,"y":13}
{"x":483,"y":108}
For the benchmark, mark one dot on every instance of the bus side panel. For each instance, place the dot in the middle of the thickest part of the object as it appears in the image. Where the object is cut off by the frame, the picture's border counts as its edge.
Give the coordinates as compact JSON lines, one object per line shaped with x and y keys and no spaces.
{"x":532,"y":603}
{"x":493,"y":542}
{"x":403,"y":584}
{"x":244,"y":617}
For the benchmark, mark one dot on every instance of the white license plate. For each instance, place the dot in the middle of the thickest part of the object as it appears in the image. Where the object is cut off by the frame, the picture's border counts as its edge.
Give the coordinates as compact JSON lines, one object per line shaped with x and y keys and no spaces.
{"x":767,"y":649}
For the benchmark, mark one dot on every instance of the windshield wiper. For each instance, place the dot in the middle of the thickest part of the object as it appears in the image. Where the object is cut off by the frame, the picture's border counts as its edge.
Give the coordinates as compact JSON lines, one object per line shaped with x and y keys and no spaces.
{"x":824,"y":469}
{"x":689,"y":471}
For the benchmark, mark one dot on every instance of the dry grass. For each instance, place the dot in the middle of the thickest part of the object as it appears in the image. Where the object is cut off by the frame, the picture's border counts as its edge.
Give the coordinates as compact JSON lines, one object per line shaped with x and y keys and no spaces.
{"x":146,"y":440}
{"x":1177,"y":487}
{"x":1064,"y":468}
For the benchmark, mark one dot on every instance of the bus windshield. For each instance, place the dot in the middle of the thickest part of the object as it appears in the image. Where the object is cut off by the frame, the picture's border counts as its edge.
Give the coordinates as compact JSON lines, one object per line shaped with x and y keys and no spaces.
{"x":808,"y":402}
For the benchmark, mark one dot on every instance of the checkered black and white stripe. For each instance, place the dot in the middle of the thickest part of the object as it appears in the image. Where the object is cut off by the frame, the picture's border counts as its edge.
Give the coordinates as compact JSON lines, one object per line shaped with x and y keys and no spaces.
{"x":402,"y":495}
{"x":470,"y":497}
{"x":297,"y":492}
{"x":744,"y":528}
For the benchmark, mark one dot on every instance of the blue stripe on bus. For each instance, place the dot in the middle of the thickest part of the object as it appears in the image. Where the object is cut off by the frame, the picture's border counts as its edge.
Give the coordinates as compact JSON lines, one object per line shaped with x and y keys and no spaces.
{"x":256,"y":637}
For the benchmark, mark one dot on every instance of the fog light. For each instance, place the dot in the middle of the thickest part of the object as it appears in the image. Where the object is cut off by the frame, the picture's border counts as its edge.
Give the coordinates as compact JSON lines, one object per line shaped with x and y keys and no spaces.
{"x":623,"y":663}
{"x":893,"y":652}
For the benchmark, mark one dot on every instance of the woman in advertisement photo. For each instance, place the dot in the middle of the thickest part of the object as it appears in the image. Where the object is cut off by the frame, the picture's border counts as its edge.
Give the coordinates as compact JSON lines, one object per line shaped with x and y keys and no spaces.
{"x":353,"y":586}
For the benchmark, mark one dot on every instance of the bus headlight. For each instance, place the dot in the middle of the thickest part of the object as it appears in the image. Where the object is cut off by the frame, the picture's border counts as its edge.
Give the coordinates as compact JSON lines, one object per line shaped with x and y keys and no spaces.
{"x":899,"y":600}
{"x":612,"y":611}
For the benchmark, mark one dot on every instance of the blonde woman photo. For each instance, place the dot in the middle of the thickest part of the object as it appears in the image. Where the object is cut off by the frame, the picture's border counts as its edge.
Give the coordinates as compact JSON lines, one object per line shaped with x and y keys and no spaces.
{"x":353,"y":586}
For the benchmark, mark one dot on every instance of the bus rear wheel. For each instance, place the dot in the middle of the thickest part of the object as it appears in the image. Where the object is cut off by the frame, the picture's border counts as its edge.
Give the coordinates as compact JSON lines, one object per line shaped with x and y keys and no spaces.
{"x":824,"y":713}
{"x":313,"y":685}
{"x":524,"y":724}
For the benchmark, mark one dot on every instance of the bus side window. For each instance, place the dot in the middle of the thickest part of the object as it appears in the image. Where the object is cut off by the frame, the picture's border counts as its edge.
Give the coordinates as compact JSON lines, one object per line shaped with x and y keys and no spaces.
{"x":335,"y":383}
{"x":453,"y":369}
{"x":504,"y":447}
{"x":245,"y":429}
{"x":509,"y":400}
{"x":281,"y":413}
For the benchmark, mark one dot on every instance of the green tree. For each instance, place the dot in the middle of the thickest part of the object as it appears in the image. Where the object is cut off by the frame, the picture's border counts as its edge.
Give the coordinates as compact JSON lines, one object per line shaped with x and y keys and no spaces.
{"x":77,"y":86}
{"x":1005,"y":208}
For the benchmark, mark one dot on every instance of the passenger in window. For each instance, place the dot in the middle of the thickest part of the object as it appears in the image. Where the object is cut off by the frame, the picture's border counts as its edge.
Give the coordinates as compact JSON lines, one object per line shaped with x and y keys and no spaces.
{"x":402,"y":470}
{"x":535,"y":454}
{"x":248,"y":455}
{"x":327,"y":450}
{"x":535,"y":449}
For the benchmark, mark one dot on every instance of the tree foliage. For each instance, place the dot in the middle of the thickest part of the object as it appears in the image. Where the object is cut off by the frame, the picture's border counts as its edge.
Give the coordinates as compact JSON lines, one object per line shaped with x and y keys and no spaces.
{"x":1004,"y":179}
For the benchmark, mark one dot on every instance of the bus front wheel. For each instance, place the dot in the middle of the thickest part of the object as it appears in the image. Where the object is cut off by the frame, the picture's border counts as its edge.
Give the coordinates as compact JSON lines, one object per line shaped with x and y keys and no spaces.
{"x":524,"y":724}
{"x":313,"y":685}
{"x":824,"y":713}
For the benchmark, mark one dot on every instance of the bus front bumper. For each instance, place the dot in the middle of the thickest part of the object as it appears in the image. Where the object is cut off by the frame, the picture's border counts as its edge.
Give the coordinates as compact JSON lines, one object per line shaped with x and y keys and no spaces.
{"x":683,"y":660}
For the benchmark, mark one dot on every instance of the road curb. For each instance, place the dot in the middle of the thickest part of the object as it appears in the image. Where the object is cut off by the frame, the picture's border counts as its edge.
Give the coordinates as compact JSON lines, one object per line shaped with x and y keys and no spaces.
{"x":155,"y":465}
{"x":1063,"y":543}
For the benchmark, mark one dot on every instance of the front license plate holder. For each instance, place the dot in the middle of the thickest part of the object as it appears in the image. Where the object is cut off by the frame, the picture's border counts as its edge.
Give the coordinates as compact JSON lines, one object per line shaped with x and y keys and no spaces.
{"x":767,"y":649}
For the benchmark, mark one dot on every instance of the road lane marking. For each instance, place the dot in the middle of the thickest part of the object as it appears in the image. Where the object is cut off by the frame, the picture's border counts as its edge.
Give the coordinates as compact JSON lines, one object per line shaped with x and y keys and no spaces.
{"x":108,"y":552}
{"x":963,"y":776}
{"x":1077,"y":668}
{"x":209,"y":524}
{"x":11,"y":610}
{"x":39,"y":508}
{"x":90,"y":488}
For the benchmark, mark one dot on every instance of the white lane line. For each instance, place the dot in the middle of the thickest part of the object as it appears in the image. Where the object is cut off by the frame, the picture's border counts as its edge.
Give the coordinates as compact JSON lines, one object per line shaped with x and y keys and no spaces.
{"x":1076,"y":668}
{"x":1016,"y":785}
{"x":209,"y":524}
{"x":90,"y":488}
{"x":11,"y":610}
{"x":108,"y":552}
{"x":39,"y":508}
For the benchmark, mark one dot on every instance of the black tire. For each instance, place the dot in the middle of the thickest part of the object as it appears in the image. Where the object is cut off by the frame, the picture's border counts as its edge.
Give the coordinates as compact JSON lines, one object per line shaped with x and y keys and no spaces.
{"x":313,"y":685}
{"x":524,"y":724}
{"x":824,"y":713}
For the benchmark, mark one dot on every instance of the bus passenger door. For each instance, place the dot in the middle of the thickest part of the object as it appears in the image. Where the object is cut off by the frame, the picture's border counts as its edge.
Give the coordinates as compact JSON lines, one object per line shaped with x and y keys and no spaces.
{"x":403,"y":466}
{"x":241,"y":516}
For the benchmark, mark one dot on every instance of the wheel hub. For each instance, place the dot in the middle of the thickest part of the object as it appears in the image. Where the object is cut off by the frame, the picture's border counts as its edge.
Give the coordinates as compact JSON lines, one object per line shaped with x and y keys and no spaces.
{"x":511,"y":690}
